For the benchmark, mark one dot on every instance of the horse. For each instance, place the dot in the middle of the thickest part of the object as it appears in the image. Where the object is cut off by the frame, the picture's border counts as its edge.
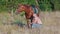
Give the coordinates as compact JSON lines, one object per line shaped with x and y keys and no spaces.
{"x":28,"y":13}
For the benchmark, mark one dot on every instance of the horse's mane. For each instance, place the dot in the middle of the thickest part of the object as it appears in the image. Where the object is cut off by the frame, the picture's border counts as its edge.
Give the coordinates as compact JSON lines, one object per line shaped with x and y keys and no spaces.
{"x":26,"y":5}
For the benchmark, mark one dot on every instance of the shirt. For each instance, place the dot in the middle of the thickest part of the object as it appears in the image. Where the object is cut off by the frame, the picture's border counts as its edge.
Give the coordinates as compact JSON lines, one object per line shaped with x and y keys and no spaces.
{"x":36,"y":19}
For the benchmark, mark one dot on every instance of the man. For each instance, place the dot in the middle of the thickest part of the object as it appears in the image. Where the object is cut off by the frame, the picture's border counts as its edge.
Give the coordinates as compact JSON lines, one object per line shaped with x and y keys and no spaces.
{"x":36,"y":22}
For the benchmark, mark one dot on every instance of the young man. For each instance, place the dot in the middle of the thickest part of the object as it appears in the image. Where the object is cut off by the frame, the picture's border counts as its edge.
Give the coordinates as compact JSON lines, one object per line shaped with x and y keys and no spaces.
{"x":36,"y":22}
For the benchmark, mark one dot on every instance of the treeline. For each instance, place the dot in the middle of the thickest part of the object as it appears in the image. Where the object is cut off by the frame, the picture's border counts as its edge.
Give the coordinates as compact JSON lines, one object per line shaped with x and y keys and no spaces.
{"x":6,"y":5}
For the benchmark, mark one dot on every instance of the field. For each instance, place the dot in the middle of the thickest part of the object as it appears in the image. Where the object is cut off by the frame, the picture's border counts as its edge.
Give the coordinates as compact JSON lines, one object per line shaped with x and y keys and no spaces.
{"x":50,"y":20}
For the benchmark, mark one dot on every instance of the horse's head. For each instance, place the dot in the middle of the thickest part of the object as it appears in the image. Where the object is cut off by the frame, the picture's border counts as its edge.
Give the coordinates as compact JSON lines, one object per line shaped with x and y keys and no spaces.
{"x":26,"y":8}
{"x":20,"y":8}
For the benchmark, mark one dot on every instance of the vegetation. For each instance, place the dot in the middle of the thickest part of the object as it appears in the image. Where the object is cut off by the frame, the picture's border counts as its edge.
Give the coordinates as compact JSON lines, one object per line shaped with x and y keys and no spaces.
{"x":49,"y":4}
{"x":44,"y":5}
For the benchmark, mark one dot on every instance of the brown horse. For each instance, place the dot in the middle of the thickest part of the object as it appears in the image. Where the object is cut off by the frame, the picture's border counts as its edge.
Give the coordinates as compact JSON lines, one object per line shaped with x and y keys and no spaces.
{"x":28,"y":12}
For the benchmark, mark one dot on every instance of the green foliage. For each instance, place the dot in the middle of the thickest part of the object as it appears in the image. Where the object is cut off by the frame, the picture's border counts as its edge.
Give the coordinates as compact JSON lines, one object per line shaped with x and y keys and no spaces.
{"x":57,"y":4}
{"x":6,"y":5}
{"x":44,"y":5}
{"x":49,"y":4}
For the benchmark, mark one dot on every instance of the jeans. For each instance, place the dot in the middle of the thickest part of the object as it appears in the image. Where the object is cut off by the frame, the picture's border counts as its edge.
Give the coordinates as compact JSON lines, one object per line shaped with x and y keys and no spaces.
{"x":36,"y":25}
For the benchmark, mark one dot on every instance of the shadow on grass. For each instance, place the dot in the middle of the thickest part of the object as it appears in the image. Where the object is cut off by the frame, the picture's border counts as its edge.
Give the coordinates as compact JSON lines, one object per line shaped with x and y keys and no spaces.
{"x":18,"y":23}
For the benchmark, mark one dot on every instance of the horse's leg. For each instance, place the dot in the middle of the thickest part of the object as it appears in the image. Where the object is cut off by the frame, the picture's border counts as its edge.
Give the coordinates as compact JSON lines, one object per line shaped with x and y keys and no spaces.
{"x":28,"y":23}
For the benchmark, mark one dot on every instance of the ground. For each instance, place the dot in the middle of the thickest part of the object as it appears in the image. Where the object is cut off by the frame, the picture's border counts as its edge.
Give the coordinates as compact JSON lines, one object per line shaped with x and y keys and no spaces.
{"x":50,"y":20}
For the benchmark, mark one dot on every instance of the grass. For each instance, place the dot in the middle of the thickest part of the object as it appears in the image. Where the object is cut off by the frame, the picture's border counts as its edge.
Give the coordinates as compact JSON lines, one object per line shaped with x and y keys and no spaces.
{"x":51,"y":24}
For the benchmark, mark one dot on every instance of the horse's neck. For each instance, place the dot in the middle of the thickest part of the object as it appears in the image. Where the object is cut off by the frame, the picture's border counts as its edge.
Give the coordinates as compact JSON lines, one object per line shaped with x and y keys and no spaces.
{"x":28,"y":10}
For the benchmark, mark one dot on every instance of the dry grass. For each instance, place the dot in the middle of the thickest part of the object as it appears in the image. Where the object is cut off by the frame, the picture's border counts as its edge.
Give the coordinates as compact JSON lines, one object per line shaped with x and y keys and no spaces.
{"x":51,"y":24}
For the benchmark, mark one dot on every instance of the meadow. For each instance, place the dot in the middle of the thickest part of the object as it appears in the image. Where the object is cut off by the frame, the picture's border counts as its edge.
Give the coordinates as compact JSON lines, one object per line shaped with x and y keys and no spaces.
{"x":50,"y":20}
